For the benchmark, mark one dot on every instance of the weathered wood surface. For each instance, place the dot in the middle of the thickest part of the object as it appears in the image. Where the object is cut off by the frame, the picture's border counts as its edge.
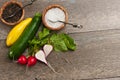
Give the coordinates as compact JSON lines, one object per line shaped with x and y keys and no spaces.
{"x":98,"y":49}
{"x":97,"y":56}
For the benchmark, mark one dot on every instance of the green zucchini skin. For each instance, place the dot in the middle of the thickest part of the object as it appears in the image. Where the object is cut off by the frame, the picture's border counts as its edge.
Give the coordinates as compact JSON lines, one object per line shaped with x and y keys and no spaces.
{"x":18,"y":48}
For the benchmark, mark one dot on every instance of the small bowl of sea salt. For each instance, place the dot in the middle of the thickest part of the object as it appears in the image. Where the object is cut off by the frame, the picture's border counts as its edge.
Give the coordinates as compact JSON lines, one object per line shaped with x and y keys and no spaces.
{"x":53,"y":15}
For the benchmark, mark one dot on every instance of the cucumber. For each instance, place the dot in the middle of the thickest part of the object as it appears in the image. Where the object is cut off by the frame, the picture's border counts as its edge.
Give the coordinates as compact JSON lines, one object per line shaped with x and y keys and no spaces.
{"x":18,"y":48}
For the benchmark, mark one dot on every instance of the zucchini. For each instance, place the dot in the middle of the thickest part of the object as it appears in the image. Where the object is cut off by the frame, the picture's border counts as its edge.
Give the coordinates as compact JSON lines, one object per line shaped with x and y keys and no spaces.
{"x":15,"y":33}
{"x":21,"y":44}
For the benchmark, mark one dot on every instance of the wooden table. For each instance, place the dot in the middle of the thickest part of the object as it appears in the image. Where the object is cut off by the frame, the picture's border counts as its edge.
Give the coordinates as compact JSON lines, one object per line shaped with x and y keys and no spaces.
{"x":98,"y":44}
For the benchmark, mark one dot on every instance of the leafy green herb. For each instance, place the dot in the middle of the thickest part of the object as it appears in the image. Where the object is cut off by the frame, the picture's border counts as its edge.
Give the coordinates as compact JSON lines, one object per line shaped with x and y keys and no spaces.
{"x":69,"y":42}
{"x":45,"y":32}
{"x":60,"y":42}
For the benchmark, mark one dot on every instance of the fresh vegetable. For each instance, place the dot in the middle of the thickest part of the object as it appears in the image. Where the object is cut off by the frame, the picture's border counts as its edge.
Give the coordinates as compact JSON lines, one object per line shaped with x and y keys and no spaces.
{"x":31,"y":61}
{"x":21,"y":44}
{"x":15,"y":33}
{"x":22,"y":60}
{"x":47,"y":49}
{"x":44,"y":33}
{"x":38,"y":42}
{"x":40,"y":55}
{"x":60,"y":42}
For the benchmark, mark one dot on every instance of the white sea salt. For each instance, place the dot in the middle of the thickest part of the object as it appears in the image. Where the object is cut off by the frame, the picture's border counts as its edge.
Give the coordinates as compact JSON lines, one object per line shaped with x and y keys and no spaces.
{"x":54,"y":14}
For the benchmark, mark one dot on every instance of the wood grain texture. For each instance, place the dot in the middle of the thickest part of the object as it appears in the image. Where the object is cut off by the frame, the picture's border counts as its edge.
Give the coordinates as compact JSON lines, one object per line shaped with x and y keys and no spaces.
{"x":97,"y":56}
{"x":98,"y":44}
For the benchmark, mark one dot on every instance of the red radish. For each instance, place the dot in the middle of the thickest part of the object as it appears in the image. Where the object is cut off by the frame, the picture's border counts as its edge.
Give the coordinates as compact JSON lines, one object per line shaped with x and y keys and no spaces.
{"x":31,"y":61}
{"x":40,"y":55}
{"x":47,"y":49}
{"x":22,"y":60}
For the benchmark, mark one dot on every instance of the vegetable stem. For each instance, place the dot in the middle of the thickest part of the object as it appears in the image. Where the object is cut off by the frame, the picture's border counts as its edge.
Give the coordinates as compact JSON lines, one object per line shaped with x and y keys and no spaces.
{"x":48,"y":64}
{"x":38,"y":14}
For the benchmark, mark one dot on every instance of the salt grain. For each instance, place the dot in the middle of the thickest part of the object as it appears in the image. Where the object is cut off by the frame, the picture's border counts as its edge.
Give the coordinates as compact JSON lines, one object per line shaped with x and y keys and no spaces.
{"x":54,"y":14}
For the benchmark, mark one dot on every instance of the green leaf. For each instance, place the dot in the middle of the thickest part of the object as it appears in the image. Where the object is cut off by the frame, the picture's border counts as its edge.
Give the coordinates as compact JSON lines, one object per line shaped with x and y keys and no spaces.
{"x":58,"y":43}
{"x":45,"y":32}
{"x":34,"y":41}
{"x":44,"y":41}
{"x":60,"y":46}
{"x":69,"y":42}
{"x":53,"y":37}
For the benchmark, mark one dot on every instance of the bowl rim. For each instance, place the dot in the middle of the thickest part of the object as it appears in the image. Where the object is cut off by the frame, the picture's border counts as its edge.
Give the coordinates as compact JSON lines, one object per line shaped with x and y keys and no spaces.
{"x":50,"y":7}
{"x":4,"y":6}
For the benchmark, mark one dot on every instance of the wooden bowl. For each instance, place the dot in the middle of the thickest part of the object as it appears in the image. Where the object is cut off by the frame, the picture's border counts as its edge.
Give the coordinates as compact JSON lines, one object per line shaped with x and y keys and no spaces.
{"x":4,"y":7}
{"x":50,"y":7}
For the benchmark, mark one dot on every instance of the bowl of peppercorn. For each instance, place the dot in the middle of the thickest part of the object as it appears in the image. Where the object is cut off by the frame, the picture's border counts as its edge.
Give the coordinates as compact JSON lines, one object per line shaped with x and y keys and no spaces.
{"x":11,"y":13}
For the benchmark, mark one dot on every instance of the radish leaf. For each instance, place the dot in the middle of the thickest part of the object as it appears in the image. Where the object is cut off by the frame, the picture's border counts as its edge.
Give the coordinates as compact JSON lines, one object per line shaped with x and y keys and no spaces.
{"x":45,"y":32}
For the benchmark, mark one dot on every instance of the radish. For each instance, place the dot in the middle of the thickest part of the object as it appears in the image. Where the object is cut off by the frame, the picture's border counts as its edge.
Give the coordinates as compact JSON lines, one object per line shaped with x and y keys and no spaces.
{"x":47,"y":49}
{"x":40,"y":55}
{"x":22,"y":60}
{"x":31,"y":61}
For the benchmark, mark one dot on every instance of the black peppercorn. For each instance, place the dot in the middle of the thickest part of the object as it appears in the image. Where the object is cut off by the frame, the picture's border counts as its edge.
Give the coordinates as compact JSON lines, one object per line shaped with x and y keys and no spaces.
{"x":9,"y":10}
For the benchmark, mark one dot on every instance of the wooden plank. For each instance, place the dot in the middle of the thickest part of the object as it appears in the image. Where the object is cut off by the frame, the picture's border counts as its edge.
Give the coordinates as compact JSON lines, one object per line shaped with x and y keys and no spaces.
{"x":97,"y":54}
{"x":107,"y":78}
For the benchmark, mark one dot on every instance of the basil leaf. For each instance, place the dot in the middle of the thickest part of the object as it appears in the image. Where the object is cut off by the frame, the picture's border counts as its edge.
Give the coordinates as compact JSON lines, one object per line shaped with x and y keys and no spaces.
{"x":58,"y":43}
{"x":60,"y":46}
{"x":69,"y":42}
